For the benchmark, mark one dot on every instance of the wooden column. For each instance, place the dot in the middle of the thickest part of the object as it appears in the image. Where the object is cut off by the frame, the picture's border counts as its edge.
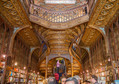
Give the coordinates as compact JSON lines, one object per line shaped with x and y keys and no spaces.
{"x":72,"y":69}
{"x":72,"y":66}
{"x":46,"y":71}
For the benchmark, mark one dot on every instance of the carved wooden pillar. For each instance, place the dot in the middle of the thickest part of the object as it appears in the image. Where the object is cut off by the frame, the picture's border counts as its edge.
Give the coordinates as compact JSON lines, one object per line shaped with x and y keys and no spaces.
{"x":72,"y":72}
{"x":46,"y":71}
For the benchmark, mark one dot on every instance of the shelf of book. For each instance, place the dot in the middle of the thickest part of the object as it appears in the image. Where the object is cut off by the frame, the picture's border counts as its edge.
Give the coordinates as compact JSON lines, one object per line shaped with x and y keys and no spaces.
{"x":2,"y":66}
{"x":32,"y":78}
{"x":16,"y":76}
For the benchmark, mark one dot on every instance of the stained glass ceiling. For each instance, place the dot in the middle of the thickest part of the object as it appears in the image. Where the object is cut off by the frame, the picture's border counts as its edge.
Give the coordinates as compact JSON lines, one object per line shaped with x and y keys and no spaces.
{"x":69,"y":2}
{"x":60,"y":1}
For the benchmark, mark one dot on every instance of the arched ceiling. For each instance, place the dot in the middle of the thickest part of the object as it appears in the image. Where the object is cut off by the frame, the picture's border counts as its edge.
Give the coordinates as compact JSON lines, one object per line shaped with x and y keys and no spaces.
{"x":90,"y":37}
{"x":60,"y":40}
{"x":32,"y":39}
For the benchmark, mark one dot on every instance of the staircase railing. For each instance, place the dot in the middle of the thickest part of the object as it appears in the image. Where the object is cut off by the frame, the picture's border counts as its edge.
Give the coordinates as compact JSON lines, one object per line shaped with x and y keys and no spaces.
{"x":43,"y":55}
{"x":75,"y":55}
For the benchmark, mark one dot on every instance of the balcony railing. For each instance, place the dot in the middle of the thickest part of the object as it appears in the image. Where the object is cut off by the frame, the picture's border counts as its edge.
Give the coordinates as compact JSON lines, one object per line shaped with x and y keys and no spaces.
{"x":58,"y":16}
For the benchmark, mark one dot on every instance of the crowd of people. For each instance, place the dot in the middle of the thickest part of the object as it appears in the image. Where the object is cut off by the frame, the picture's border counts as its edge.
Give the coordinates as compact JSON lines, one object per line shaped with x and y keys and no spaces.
{"x":59,"y":76}
{"x":72,"y":80}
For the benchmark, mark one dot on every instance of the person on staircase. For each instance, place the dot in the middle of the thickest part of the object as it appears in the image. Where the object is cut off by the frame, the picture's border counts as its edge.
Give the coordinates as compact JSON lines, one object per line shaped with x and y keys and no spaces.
{"x":58,"y":65}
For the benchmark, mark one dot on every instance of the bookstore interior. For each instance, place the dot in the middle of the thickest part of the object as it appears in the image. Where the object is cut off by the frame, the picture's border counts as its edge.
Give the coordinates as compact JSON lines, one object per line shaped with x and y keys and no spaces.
{"x":48,"y":38}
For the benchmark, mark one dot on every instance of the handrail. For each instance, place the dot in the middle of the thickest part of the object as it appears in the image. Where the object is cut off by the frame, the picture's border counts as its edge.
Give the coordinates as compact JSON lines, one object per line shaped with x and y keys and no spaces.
{"x":75,"y":55}
{"x":43,"y":55}
{"x":46,"y":53}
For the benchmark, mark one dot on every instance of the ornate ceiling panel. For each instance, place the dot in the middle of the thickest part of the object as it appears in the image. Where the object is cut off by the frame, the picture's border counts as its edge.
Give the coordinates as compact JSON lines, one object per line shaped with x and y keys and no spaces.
{"x":90,"y":36}
{"x":60,"y":40}
{"x":13,"y":11}
{"x":28,"y":34}
{"x":103,"y":12}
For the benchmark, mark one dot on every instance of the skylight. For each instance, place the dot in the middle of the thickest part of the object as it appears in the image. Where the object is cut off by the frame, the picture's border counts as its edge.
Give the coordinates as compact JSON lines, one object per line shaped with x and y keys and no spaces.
{"x":60,"y":1}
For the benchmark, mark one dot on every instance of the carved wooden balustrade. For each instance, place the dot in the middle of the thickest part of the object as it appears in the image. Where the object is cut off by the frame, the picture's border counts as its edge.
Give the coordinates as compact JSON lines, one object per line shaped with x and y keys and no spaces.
{"x":58,"y":16}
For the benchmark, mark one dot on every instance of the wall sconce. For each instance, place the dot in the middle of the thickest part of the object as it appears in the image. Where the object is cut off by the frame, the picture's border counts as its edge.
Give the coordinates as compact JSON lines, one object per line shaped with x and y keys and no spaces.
{"x":15,"y":64}
{"x":86,"y":70}
{"x":102,"y":74}
{"x":100,"y":63}
{"x":109,"y":59}
{"x":37,"y":72}
{"x":3,"y":56}
{"x":24,"y":67}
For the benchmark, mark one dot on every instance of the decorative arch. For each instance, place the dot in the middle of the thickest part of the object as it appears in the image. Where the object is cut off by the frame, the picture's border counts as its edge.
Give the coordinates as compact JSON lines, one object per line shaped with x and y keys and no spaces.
{"x":16,"y":31}
{"x":103,"y":33}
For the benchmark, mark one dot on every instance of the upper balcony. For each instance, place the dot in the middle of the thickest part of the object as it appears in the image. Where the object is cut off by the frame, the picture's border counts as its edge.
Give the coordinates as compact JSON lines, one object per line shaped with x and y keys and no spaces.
{"x":59,"y":19}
